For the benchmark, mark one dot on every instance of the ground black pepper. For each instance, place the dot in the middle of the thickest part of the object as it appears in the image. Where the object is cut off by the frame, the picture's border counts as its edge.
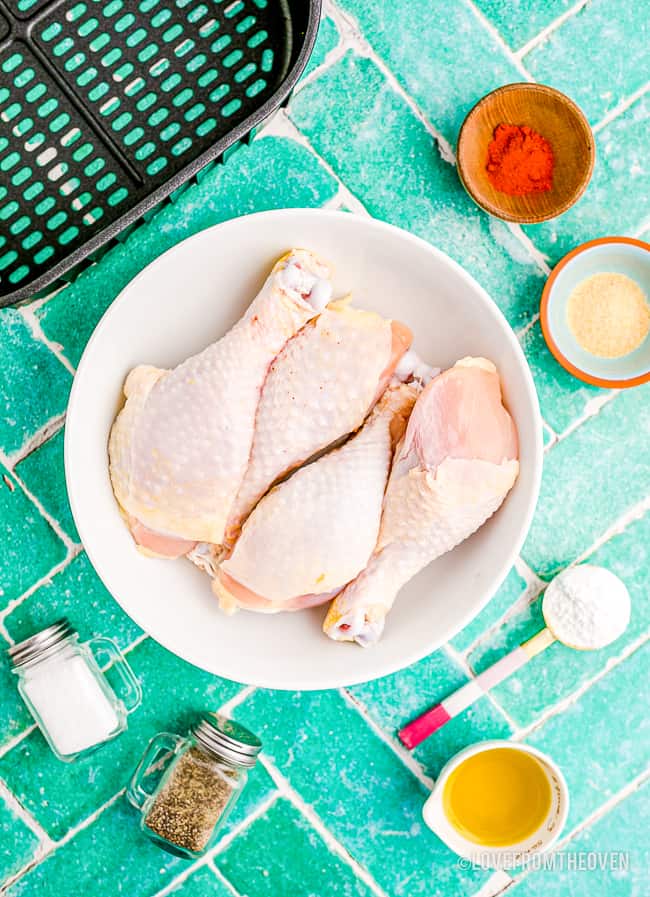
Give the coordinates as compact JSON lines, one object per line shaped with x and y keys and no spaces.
{"x":187,"y":808}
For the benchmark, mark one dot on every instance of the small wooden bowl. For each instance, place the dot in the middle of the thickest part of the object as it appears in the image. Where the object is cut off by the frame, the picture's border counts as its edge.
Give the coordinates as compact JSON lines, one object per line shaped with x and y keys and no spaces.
{"x":555,"y":117}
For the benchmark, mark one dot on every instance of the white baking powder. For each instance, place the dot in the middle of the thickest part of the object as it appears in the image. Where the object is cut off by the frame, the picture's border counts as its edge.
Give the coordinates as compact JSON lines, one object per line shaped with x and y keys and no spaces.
{"x":586,"y":607}
{"x":70,"y":702}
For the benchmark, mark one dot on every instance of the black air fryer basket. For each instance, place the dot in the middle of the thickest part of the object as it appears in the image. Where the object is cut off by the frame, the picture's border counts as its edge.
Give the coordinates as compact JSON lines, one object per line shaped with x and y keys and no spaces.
{"x":108,"y":106}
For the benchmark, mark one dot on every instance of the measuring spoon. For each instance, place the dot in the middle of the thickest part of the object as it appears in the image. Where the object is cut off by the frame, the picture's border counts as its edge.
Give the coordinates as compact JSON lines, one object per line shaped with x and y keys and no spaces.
{"x":584,"y":607}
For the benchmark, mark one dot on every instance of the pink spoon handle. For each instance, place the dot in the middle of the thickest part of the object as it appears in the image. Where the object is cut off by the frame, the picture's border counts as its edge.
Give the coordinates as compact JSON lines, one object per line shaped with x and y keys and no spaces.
{"x":434,"y":718}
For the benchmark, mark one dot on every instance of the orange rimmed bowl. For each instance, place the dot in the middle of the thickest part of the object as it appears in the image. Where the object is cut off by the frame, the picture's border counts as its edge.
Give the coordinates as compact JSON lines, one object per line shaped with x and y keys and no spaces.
{"x":616,"y":255}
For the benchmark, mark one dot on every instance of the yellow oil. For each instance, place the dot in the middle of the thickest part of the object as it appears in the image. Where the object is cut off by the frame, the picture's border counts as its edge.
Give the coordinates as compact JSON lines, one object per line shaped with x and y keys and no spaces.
{"x":497,"y":797}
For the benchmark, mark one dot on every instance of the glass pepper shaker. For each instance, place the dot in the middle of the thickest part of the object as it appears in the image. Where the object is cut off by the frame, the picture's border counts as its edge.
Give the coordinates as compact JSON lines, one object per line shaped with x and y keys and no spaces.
{"x":61,"y":683}
{"x":185,"y":787}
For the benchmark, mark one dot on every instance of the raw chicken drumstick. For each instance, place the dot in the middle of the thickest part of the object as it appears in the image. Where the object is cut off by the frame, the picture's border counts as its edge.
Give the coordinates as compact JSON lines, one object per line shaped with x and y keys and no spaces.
{"x":179,"y":448}
{"x":455,"y":466}
{"x":314,"y":532}
{"x":319,"y":388}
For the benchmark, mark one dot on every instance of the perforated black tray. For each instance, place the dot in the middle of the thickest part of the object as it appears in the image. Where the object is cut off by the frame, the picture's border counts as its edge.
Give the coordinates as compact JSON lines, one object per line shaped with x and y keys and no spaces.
{"x":107,"y":107}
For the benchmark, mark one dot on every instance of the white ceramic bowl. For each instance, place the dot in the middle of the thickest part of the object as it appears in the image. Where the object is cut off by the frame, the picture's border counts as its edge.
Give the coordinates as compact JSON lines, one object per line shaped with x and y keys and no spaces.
{"x":189,"y":297}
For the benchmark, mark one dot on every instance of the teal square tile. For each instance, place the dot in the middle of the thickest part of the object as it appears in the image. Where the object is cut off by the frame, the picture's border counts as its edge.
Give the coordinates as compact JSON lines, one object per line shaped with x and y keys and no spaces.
{"x":618,"y":842}
{"x":519,"y":21}
{"x":60,"y":795}
{"x":328,"y":38}
{"x":441,"y":54}
{"x":566,"y":60}
{"x":602,"y":741}
{"x":590,"y":479}
{"x":395,"y":700}
{"x":271,"y":173}
{"x":79,"y":594}
{"x":18,"y":842}
{"x":389,"y":161}
{"x":109,"y":857}
{"x":559,"y":671}
{"x":259,"y":788}
{"x":280,"y":853}
{"x":511,"y":589}
{"x":42,"y":471}
{"x":202,"y":883}
{"x":355,"y":783}
{"x":29,"y":547}
{"x":562,"y":397}
{"x":616,"y":199}
{"x":14,"y":717}
{"x":25,"y":365}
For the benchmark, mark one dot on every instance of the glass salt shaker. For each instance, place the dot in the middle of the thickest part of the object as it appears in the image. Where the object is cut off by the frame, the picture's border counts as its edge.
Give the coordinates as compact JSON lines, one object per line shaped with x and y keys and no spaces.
{"x":185,"y":787}
{"x":61,"y":683}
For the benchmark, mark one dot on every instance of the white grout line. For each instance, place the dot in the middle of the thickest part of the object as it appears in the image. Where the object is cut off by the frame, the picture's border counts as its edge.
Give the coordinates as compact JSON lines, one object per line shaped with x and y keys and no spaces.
{"x":541,"y":260}
{"x":552,"y":437}
{"x":282,"y":126}
{"x":643,"y":228}
{"x":586,"y":823}
{"x":511,"y":55}
{"x":396,"y":747}
{"x":53,"y":846}
{"x":592,"y":407}
{"x":561,"y":705}
{"x":330,"y":59}
{"x":522,"y":331}
{"x":621,"y":107}
{"x":225,"y":841}
{"x":241,"y":696}
{"x":636,"y":512}
{"x":25,"y":816}
{"x":316,"y":822}
{"x":40,"y":436}
{"x":222,"y":878}
{"x":605,"y":807}
{"x":36,"y":304}
{"x":181,"y":877}
{"x":352,"y":38}
{"x":526,"y":598}
{"x":34,"y":325}
{"x":336,"y":202}
{"x":496,"y":884}
{"x":549,"y":29}
{"x":236,"y":830}
{"x":55,"y":525}
{"x":15,"y":741}
{"x":58,"y":568}
{"x":88,"y":820}
{"x":355,"y":40}
{"x":137,"y":641}
{"x":527,"y":573}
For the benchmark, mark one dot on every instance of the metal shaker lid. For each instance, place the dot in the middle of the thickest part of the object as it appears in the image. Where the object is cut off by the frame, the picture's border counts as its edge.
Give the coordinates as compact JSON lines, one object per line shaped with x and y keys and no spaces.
{"x":228,"y":739}
{"x":41,"y":643}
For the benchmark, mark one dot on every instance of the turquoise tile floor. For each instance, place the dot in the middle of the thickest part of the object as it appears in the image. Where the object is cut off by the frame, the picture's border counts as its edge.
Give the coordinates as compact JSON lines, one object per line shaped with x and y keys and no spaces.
{"x":335,"y":805}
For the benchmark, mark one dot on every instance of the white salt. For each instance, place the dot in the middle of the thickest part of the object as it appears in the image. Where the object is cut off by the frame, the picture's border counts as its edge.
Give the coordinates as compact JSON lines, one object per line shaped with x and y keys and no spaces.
{"x":70,"y":702}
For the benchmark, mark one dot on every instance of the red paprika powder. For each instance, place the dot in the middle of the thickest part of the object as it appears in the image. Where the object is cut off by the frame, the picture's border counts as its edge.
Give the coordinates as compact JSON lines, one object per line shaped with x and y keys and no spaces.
{"x":520,"y":161}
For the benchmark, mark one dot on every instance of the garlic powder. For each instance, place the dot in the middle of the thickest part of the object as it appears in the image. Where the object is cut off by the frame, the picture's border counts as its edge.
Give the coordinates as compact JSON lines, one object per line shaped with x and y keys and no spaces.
{"x":608,"y":315}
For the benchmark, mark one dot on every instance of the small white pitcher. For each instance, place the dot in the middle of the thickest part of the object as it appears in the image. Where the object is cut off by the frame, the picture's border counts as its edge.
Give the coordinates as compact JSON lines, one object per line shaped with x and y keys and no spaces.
{"x":511,"y":855}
